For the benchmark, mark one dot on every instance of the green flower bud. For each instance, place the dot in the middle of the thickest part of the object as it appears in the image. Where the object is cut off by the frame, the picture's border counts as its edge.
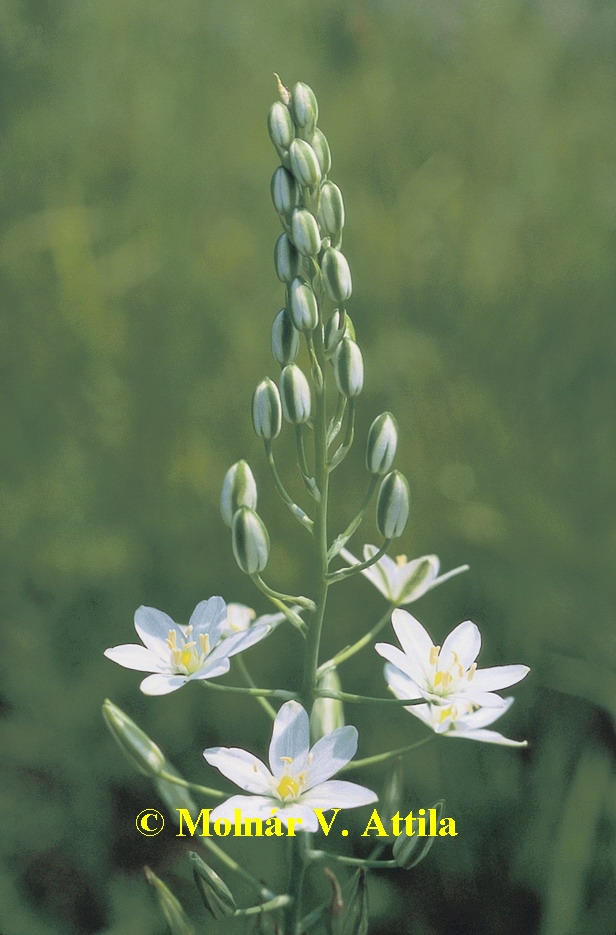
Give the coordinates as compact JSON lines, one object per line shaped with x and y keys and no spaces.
{"x":250,"y":541}
{"x":285,"y":192}
{"x":280,"y":126}
{"x":349,"y":368}
{"x":304,"y":107}
{"x":335,"y":329}
{"x":304,"y":164}
{"x":382,"y":444}
{"x":305,"y":232}
{"x":136,"y":746}
{"x":170,"y":906}
{"x":214,"y":892}
{"x":266,"y":409}
{"x":327,"y":713}
{"x":285,"y":338}
{"x":321,"y":147}
{"x":392,"y":505}
{"x":287,"y":260}
{"x":409,"y":851}
{"x":336,"y":275}
{"x":303,"y":306}
{"x":239,"y":488}
{"x":331,"y":210}
{"x":295,"y":395}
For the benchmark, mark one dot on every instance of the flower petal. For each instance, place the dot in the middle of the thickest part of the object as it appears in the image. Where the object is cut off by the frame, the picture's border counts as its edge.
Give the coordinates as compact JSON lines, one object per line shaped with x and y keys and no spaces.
{"x":251,"y":806}
{"x":297,"y":810}
{"x":241,"y":767}
{"x":209,"y":617}
{"x":498,"y":677}
{"x":399,"y":659}
{"x":486,"y":736}
{"x":339,"y":794}
{"x":212,"y":668}
{"x":290,"y":737}
{"x":330,"y":754}
{"x":416,"y":643}
{"x":400,"y":684}
{"x":162,"y":684}
{"x":472,"y":696}
{"x":415,"y":578}
{"x":238,"y":642}
{"x":462,"y":645}
{"x":153,"y":627}
{"x":133,"y":656}
{"x":449,"y":574}
{"x":483,"y":716}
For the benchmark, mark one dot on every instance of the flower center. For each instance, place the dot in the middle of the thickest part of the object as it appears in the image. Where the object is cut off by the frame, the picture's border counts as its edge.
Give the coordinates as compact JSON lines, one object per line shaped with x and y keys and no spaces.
{"x":190,"y":655}
{"x":289,"y":787}
{"x":446,"y":678}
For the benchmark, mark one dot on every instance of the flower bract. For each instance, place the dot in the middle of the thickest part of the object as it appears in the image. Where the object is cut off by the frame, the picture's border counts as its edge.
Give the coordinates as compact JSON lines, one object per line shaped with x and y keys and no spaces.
{"x":402,"y":582}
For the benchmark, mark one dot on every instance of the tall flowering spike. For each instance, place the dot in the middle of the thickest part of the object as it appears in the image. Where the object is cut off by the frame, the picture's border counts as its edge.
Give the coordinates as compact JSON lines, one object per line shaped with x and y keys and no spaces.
{"x":392,"y":505}
{"x":250,"y":541}
{"x":239,"y":488}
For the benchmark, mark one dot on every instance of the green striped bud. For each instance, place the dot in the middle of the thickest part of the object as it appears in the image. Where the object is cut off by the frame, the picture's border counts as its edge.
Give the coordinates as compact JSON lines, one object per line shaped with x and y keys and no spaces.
{"x":239,"y":488}
{"x":285,"y":338}
{"x":136,"y":746}
{"x":250,"y":541}
{"x":321,"y":147}
{"x":285,"y":191}
{"x":382,"y":444}
{"x":170,"y":906}
{"x":303,"y":306}
{"x":392,"y":505}
{"x":305,"y":232}
{"x":304,"y":107}
{"x":327,"y":714}
{"x":280,"y":126}
{"x":295,"y":395}
{"x":331,"y":210}
{"x":336,"y":275}
{"x":349,"y":368}
{"x":214,"y":892}
{"x":266,"y":409}
{"x":335,"y":329}
{"x":304,"y":164}
{"x":287,"y":260}
{"x":409,"y":851}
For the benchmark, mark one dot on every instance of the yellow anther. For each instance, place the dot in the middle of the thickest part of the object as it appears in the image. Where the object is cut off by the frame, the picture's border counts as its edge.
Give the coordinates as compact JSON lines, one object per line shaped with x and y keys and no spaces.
{"x":435,"y":650}
{"x":401,"y":561}
{"x":471,"y":672}
{"x":438,"y":677}
{"x":171,"y":640}
{"x":287,"y":787}
{"x":286,"y":759}
{"x":204,"y":642}
{"x":456,"y":662}
{"x":185,"y":657}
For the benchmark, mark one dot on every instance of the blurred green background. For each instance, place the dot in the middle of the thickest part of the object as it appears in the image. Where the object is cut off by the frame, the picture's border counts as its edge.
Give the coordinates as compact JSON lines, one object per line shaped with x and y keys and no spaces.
{"x":474,"y":143}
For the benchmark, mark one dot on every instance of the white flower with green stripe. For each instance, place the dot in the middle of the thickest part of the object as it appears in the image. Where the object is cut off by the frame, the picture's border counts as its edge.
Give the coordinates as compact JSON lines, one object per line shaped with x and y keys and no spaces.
{"x":399,"y":580}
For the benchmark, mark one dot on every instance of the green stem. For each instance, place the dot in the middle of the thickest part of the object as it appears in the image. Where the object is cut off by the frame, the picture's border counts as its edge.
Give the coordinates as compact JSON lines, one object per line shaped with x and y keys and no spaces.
{"x":341,"y":540}
{"x":279,"y":595}
{"x":361,"y":566}
{"x":269,"y":710}
{"x":340,"y":454}
{"x":296,"y":879}
{"x":276,"y":903}
{"x":352,"y":861}
{"x":255,"y":692}
{"x":365,"y":699}
{"x":336,"y":423}
{"x":204,"y":790}
{"x":349,"y":651}
{"x":389,"y":755}
{"x":296,"y":510}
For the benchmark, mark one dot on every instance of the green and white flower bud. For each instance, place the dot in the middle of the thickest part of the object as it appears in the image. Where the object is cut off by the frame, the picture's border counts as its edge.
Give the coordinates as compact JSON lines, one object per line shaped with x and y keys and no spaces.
{"x":305,"y":232}
{"x":349,"y":368}
{"x":335,"y":328}
{"x":285,"y":191}
{"x":295,"y":395}
{"x":304,"y":164}
{"x":331,"y":210}
{"x":382,"y":444}
{"x":304,"y":107}
{"x":280,"y":126}
{"x":321,"y":147}
{"x":303,"y":306}
{"x":215,"y":894}
{"x":327,"y":713}
{"x":287,"y":260}
{"x":170,"y":906}
{"x":285,"y":338}
{"x":409,"y":851}
{"x":336,"y":275}
{"x":392,"y":505}
{"x":266,"y":409}
{"x":136,"y":746}
{"x":239,"y":488}
{"x":250,"y":541}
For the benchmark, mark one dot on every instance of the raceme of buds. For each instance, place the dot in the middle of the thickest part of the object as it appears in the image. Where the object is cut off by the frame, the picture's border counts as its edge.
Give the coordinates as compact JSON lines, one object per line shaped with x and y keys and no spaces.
{"x":280,"y":126}
{"x":170,"y":906}
{"x":327,"y":713}
{"x":285,"y":338}
{"x":287,"y":260}
{"x":382,"y":444}
{"x":303,"y":306}
{"x":304,"y":163}
{"x":321,"y":147}
{"x":136,"y":746}
{"x":250,"y":541}
{"x":392,"y":505}
{"x":285,"y":192}
{"x":214,"y":892}
{"x":409,"y":851}
{"x":239,"y":488}
{"x":295,"y":395}
{"x":305,"y":232}
{"x":266,"y":409}
{"x":336,"y":275}
{"x":331,"y":210}
{"x":304,"y":107}
{"x":349,"y":368}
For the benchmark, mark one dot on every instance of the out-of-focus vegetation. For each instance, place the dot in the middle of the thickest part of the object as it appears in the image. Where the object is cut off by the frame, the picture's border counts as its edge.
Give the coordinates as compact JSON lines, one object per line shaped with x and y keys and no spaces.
{"x":474,"y":143}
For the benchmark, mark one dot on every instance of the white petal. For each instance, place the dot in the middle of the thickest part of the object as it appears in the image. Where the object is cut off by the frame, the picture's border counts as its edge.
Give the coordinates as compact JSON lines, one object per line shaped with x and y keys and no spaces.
{"x":297,"y":810}
{"x":498,"y":677}
{"x":132,"y":656}
{"x":472,"y":696}
{"x":374,"y":573}
{"x":483,"y":716}
{"x":290,"y":737}
{"x":415,"y":578}
{"x":449,"y":574}
{"x":399,"y":659}
{"x":416,"y":643}
{"x":462,"y":645}
{"x":241,"y":767}
{"x":487,"y":736}
{"x":209,"y":617}
{"x":153,"y":627}
{"x":400,"y":684}
{"x":251,"y":806}
{"x":423,"y":712}
{"x":330,"y":754}
{"x":339,"y":794}
{"x":238,"y":642}
{"x":162,"y":684}
{"x":212,"y":668}
{"x":272,"y":620}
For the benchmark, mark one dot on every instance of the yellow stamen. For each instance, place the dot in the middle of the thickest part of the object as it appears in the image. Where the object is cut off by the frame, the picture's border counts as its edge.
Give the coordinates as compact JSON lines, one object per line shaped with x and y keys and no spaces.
{"x":456,"y":662}
{"x":434,"y":655}
{"x":204,"y":642}
{"x":286,"y":759}
{"x":401,"y":561}
{"x":287,"y":787}
{"x":471,"y":672}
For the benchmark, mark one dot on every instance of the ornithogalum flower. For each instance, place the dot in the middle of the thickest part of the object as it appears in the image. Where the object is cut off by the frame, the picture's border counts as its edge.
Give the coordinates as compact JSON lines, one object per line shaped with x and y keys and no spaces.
{"x":447,"y":674}
{"x":241,"y":618}
{"x":402,"y":582}
{"x":177,"y":654}
{"x":297,"y":780}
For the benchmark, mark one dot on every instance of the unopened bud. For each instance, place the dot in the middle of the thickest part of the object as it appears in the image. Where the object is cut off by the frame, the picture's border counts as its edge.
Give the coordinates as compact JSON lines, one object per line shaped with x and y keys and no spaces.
{"x":214,"y":892}
{"x":335,"y":328}
{"x":295,"y":395}
{"x":392,"y":505}
{"x":285,"y":338}
{"x":349,"y":368}
{"x":303,"y":306}
{"x":409,"y":851}
{"x":287,"y":260}
{"x":250,"y":541}
{"x":304,"y":163}
{"x":304,"y":107}
{"x":382,"y":444}
{"x":336,"y":275}
{"x":280,"y":126}
{"x":327,"y":713}
{"x":170,"y":906}
{"x":284,"y":189}
{"x":136,"y":746}
{"x":331,"y":210}
{"x":239,"y":488}
{"x":266,"y":409}
{"x":305,"y":232}
{"x":321,"y":147}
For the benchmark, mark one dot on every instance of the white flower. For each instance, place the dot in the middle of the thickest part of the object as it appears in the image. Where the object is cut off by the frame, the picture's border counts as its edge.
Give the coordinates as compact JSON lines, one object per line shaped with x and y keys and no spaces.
{"x":454,"y":720}
{"x":177,"y":654}
{"x":448,"y":674}
{"x":241,"y":618}
{"x":296,"y":781}
{"x":400,"y":581}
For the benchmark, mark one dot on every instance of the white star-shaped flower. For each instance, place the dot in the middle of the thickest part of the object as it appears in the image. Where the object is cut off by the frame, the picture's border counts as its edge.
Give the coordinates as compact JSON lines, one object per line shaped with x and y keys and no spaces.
{"x":177,"y":654}
{"x":297,"y":780}
{"x":402,"y":582}
{"x":446,"y":674}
